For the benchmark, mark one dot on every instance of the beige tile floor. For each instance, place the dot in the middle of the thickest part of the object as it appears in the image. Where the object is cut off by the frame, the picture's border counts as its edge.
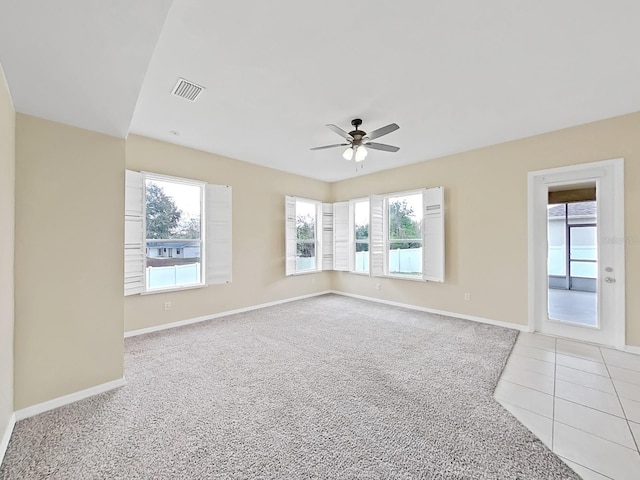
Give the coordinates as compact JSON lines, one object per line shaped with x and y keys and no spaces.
{"x":581,"y":400}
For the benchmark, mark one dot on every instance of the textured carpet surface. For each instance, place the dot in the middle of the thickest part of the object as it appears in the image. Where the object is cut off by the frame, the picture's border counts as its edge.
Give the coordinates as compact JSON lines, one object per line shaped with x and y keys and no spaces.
{"x":329,"y":387}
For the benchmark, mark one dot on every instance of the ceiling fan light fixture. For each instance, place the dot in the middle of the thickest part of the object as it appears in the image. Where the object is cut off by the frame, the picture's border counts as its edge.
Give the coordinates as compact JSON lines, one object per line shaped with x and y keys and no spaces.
{"x":357,"y":139}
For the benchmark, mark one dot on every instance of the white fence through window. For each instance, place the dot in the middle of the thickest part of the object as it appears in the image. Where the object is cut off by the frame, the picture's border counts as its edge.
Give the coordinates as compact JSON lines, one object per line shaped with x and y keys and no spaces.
{"x":160,"y":277}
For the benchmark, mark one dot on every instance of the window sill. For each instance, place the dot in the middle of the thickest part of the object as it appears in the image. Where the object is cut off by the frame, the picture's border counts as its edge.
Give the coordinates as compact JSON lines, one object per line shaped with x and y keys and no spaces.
{"x":173,"y":289}
{"x":404,"y":277}
{"x":306,"y":272}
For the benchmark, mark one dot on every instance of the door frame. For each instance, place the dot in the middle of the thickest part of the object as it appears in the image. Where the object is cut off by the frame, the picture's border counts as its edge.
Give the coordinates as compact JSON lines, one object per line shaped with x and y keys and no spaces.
{"x":538,"y":182}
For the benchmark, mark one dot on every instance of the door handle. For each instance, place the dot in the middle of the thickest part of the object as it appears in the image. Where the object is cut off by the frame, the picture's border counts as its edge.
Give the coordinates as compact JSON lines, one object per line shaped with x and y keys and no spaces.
{"x":609,"y":279}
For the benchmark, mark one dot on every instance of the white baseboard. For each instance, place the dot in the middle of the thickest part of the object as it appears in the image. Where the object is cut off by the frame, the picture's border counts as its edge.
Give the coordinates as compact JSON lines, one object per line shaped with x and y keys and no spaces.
{"x":181,"y":323}
{"x":67,"y":399}
{"x":4,"y":443}
{"x":473,"y":318}
{"x":513,"y":326}
{"x":632,"y":349}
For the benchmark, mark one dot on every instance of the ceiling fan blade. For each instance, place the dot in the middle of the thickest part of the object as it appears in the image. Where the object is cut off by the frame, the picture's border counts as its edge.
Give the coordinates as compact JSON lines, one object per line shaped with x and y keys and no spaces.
{"x":381,"y":146}
{"x":340,"y":131}
{"x":392,"y":127}
{"x":331,"y":146}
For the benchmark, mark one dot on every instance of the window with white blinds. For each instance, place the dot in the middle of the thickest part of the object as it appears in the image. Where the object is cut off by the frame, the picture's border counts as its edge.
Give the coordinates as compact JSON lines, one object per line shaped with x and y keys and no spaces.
{"x":400,"y":235}
{"x":177,"y":233}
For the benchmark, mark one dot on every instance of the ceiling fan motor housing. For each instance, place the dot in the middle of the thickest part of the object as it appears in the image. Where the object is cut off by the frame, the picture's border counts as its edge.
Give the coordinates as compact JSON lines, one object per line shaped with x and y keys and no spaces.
{"x":357,"y":134}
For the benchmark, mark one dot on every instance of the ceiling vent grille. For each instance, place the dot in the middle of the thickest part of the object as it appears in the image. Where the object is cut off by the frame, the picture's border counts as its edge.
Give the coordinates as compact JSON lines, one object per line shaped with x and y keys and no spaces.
{"x":186,"y":89}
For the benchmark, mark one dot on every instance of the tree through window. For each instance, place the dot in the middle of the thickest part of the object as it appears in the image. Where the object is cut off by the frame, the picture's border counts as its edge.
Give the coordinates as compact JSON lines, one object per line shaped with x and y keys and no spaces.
{"x":306,"y":228}
{"x":405,"y":234}
{"x":173,"y":233}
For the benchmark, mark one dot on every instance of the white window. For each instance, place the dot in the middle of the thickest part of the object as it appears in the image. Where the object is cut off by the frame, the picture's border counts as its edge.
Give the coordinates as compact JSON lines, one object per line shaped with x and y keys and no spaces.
{"x":173,"y":212}
{"x":305,"y":221}
{"x":182,"y":225}
{"x":399,"y":235}
{"x":406,"y":235}
{"x":360,"y":226}
{"x":306,"y":235}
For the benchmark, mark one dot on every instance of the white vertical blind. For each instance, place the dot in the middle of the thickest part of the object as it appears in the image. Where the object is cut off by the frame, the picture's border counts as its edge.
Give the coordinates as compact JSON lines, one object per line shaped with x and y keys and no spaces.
{"x":218,"y":253}
{"x":326,"y":246}
{"x":433,"y":234}
{"x":134,"y":235}
{"x":290,"y":235}
{"x":376,"y":235}
{"x":342,"y":244}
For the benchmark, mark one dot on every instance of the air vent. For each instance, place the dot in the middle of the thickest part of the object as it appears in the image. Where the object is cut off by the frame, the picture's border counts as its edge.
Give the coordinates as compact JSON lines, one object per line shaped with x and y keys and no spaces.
{"x":186,"y":89}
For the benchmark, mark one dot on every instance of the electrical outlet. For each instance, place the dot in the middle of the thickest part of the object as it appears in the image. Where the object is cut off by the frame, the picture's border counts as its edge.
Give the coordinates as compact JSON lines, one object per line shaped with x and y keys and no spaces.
{"x":467,"y":296}
{"x":378,"y":286}
{"x":167,"y":305}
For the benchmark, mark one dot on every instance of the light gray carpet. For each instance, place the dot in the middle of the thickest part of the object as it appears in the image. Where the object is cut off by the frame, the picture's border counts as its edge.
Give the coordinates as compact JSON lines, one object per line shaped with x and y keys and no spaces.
{"x":329,"y":387}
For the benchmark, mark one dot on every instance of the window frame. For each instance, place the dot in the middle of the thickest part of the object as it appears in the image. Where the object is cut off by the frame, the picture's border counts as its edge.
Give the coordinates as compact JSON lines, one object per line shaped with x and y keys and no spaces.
{"x":337,"y":243}
{"x":387,"y":240}
{"x":203,"y":250}
{"x":433,"y":235}
{"x":318,"y":236}
{"x":352,"y":232}
{"x":216,"y":235}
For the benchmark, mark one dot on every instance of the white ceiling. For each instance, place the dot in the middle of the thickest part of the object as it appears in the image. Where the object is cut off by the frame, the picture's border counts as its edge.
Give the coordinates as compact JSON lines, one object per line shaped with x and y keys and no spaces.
{"x":454,"y":75}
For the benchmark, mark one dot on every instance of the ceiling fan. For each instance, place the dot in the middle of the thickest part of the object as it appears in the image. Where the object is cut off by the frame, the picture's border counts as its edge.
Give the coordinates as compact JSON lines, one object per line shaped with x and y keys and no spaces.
{"x":358,"y":140}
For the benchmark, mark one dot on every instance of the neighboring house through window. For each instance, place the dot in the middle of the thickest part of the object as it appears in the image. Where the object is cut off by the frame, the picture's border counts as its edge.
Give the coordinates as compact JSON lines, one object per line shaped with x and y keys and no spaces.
{"x":182,"y":225}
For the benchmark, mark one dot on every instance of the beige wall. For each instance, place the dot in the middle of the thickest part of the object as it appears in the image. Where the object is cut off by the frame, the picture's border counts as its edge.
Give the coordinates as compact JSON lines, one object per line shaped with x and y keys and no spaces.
{"x":7,"y":223}
{"x":486,"y":219}
{"x":258,"y":234}
{"x":68,"y":259}
{"x":69,"y":199}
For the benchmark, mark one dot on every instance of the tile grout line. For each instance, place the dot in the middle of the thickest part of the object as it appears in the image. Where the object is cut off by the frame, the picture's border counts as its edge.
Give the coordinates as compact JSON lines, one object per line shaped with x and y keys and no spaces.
{"x":598,"y":436}
{"x":592,"y":388}
{"x":585,"y":386}
{"x":575,"y":355}
{"x":542,"y":349}
{"x":626,"y":417}
{"x":585,"y":467}
{"x":584,"y":371}
{"x":581,"y":359}
{"x":604,"y":439}
{"x":533,"y":371}
{"x":590,"y":408}
{"x":526,"y":386}
{"x":627,"y":369}
{"x":519,"y":354}
{"x":503,"y":402}
{"x":553,"y":411}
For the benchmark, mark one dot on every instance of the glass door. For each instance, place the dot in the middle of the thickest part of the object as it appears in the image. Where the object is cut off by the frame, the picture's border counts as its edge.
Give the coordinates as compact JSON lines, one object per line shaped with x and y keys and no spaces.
{"x":573,"y":263}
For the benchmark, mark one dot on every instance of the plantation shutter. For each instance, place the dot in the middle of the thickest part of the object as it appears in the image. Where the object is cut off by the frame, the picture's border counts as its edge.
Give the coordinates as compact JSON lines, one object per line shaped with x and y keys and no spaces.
{"x":341,"y":239}
{"x":218,"y":234}
{"x":376,"y":235}
{"x":433,"y":234}
{"x":290,"y":235}
{"x":326,"y":246}
{"x":134,"y":235}
{"x":352,"y":237}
